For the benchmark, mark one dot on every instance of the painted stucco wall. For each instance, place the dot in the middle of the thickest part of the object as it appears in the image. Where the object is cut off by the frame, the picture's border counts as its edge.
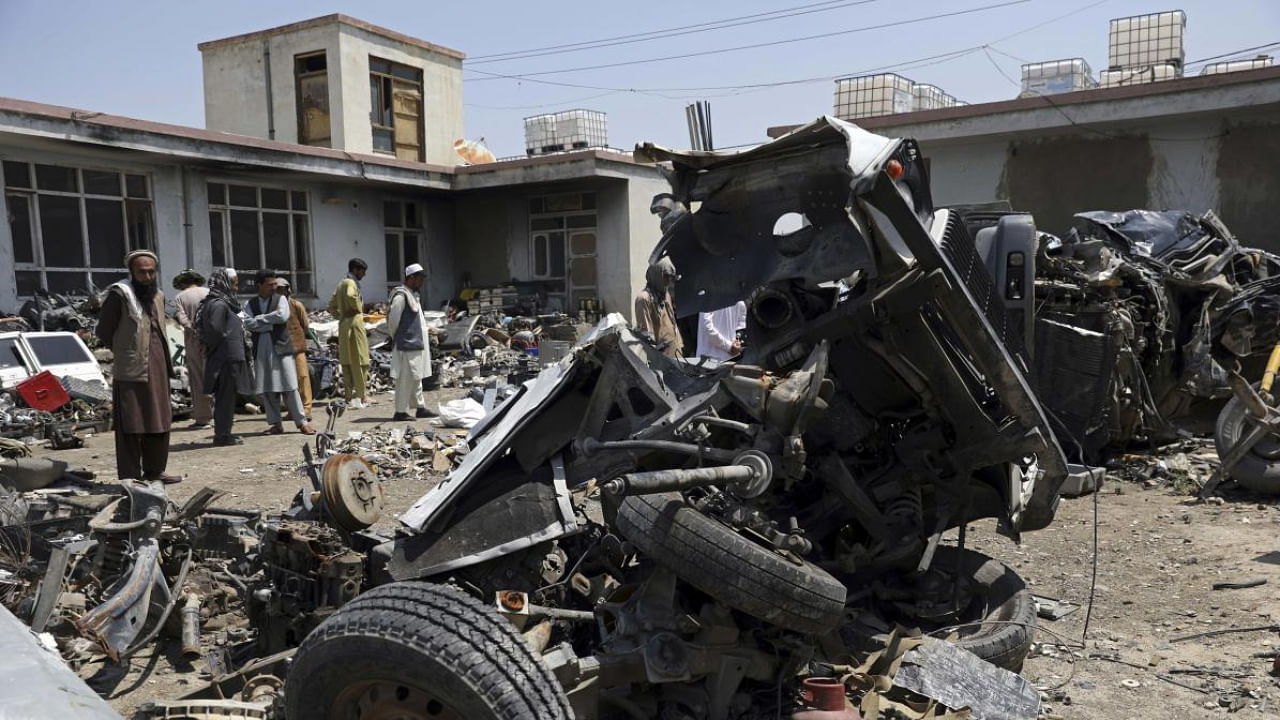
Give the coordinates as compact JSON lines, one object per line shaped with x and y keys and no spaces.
{"x":235,"y":87}
{"x":345,"y":220}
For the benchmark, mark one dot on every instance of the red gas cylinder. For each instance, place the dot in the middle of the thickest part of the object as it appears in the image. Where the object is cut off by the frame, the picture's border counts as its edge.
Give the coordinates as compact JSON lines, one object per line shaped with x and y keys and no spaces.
{"x":827,"y":701}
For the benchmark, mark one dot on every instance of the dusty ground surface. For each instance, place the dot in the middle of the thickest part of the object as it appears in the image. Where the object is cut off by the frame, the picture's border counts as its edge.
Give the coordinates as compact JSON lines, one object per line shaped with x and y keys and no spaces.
{"x":1159,"y":554}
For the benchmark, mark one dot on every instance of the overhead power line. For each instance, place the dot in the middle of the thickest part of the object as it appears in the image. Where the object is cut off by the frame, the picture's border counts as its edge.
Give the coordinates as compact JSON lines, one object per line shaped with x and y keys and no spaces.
{"x":665,"y":33}
{"x":773,"y":43}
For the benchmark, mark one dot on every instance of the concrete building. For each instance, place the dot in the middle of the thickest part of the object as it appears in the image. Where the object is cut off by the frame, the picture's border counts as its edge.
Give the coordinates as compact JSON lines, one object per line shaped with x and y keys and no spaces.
{"x":337,"y":82}
{"x":1195,"y":143}
{"x":81,"y":188}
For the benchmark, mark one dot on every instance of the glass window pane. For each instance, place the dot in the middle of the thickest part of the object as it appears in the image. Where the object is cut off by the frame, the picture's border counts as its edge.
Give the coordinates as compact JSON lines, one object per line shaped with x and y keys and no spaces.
{"x":588,"y":201}
{"x":67,"y":282}
{"x":101,"y":183}
{"x":10,"y":356}
{"x":103,"y":280}
{"x":17,"y":174}
{"x":20,"y":228}
{"x":392,"y":241}
{"x":28,"y":282}
{"x":243,"y":195}
{"x":301,"y":243}
{"x":275,"y":240}
{"x":390,"y":213}
{"x":546,"y":223}
{"x":383,"y":140}
{"x":406,"y":72}
{"x":135,"y":186}
{"x":52,"y":177}
{"x":299,"y":200}
{"x":556,"y":268}
{"x":411,"y":242}
{"x":581,"y":221}
{"x":60,"y":231}
{"x":217,"y":243}
{"x":376,"y":65}
{"x":58,"y":349}
{"x":540,"y":255}
{"x":302,"y":284}
{"x":412,"y":218}
{"x":275,"y":199}
{"x":217,"y":194}
{"x":564,"y":203}
{"x":582,"y":244}
{"x":105,"y":219}
{"x":138,"y":221}
{"x":244,"y":241}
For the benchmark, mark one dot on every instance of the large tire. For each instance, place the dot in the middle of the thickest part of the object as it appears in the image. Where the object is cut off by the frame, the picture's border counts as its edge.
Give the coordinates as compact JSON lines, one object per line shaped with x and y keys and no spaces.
{"x":1003,"y":597}
{"x":1259,"y":469}
{"x":730,"y":568}
{"x":417,"y":650}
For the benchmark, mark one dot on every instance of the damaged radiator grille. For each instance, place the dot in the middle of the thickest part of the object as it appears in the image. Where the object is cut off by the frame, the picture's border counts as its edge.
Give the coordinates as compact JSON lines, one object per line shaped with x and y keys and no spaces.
{"x":960,"y":250}
{"x":1075,"y":355}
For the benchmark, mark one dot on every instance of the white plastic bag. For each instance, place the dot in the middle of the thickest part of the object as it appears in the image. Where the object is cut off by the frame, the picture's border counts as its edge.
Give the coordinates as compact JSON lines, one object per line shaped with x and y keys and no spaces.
{"x":461,"y":413}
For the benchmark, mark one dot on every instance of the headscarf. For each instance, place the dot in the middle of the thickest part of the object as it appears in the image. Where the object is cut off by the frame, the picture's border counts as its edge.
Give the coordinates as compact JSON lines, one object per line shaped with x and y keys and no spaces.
{"x":655,"y":277}
{"x":187,"y":277}
{"x":219,"y":290}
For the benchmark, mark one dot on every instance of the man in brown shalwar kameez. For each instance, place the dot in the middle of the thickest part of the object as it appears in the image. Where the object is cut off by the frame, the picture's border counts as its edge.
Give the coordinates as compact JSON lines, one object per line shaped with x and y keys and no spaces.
{"x":656,"y":309}
{"x":131,"y":323}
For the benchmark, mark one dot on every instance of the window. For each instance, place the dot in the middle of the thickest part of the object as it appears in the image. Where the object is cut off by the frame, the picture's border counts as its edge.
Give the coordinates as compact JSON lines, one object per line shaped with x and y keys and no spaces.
{"x":562,"y":246}
{"x":71,"y":227}
{"x":253,"y":227}
{"x":395,"y":109}
{"x":58,"y":349}
{"x":311,"y":78}
{"x":403,"y":234}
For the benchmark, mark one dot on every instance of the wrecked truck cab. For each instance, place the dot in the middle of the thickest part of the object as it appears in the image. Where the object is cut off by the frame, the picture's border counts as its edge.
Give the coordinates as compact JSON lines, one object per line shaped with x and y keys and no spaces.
{"x":633,"y":535}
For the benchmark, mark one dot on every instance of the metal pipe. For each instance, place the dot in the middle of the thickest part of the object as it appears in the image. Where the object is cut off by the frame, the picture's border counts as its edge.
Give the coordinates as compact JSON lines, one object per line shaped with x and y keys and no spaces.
{"x":271,"y":109}
{"x":191,"y":627}
{"x":187,"y":227}
{"x":591,"y":446}
{"x":656,"y":481}
{"x":562,"y":613}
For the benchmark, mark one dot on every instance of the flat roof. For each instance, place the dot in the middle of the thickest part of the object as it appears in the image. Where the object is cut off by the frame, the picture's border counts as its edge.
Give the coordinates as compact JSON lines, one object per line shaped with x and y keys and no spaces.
{"x":332,"y":19}
{"x":56,"y":122}
{"x":1038,"y":102}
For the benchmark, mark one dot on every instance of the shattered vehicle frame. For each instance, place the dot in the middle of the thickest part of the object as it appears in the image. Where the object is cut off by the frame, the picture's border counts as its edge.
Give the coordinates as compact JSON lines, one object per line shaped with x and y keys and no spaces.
{"x":637,"y":536}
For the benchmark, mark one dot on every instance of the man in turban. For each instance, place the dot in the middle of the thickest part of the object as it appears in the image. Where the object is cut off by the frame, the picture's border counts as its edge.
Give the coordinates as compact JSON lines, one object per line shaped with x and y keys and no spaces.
{"x":191,"y":291}
{"x":131,"y":323}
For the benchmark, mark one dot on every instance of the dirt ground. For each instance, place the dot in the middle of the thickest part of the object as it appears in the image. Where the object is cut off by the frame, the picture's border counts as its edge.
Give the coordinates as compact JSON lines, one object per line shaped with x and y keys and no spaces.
{"x":1159,"y":554}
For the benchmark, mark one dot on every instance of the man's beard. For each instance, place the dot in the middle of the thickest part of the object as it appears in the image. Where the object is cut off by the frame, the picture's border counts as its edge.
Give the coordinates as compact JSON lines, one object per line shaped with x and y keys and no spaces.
{"x":145,"y":293}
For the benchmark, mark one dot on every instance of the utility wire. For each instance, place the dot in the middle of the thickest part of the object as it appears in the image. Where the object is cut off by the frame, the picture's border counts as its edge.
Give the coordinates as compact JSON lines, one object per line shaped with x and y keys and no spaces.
{"x":774,"y":43}
{"x":1232,"y":54}
{"x":678,"y":31}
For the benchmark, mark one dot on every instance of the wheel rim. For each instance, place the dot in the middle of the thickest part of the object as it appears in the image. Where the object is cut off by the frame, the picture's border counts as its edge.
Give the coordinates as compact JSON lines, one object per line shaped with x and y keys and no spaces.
{"x":391,"y":700}
{"x":1268,"y":448}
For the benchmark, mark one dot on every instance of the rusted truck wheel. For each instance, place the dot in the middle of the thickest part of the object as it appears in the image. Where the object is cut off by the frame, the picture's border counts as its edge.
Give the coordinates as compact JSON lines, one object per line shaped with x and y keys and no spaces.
{"x":419,"y":651}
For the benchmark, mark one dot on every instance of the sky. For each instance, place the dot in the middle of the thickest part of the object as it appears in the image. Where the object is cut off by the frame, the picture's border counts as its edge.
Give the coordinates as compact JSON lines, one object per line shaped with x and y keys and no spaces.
{"x":139,"y":58}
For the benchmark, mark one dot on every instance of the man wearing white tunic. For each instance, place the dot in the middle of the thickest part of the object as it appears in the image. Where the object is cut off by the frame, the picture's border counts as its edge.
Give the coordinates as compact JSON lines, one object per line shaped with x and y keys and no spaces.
{"x":266,"y":318}
{"x":718,"y":332}
{"x":410,"y":350}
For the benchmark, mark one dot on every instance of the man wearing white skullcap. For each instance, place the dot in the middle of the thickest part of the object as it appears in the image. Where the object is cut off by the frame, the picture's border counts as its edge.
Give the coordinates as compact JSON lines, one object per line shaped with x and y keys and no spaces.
{"x":410,"y":350}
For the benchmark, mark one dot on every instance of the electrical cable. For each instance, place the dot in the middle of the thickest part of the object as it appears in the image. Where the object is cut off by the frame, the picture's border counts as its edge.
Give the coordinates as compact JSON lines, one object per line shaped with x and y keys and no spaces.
{"x":678,"y":31}
{"x":752,"y":46}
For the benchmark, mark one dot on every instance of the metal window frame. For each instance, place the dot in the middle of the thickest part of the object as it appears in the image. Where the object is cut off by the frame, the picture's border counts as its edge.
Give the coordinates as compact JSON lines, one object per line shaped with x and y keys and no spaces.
{"x":40,"y":263}
{"x":386,"y":83}
{"x":223,"y":210}
{"x":401,"y":229}
{"x":298,"y":77}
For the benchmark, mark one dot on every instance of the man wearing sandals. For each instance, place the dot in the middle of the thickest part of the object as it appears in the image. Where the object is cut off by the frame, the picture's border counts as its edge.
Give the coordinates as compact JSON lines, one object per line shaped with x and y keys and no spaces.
{"x":267,"y":316}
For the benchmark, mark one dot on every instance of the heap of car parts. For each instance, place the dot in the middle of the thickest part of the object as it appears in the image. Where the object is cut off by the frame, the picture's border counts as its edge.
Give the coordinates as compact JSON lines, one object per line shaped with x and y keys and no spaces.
{"x":1141,"y":316}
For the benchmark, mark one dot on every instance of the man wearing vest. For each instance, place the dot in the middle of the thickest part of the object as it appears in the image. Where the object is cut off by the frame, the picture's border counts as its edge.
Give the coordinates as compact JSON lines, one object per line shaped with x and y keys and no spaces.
{"x":353,"y":344}
{"x":274,"y":370}
{"x":298,"y":326}
{"x":131,"y":324}
{"x":410,"y":353}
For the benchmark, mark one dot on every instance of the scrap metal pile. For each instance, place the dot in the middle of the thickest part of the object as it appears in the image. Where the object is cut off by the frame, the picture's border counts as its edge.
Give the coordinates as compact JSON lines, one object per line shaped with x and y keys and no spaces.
{"x":1140,"y":318}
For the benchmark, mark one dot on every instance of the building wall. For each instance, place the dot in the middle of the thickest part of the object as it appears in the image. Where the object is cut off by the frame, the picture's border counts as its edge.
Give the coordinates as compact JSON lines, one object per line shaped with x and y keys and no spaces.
{"x":235,"y":87}
{"x":441,"y":93}
{"x":1221,"y":161}
{"x":346,"y":220}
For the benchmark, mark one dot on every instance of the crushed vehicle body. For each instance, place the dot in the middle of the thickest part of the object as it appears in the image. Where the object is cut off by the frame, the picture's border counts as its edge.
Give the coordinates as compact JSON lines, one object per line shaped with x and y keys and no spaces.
{"x":631,"y":535}
{"x":1142,"y":316}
